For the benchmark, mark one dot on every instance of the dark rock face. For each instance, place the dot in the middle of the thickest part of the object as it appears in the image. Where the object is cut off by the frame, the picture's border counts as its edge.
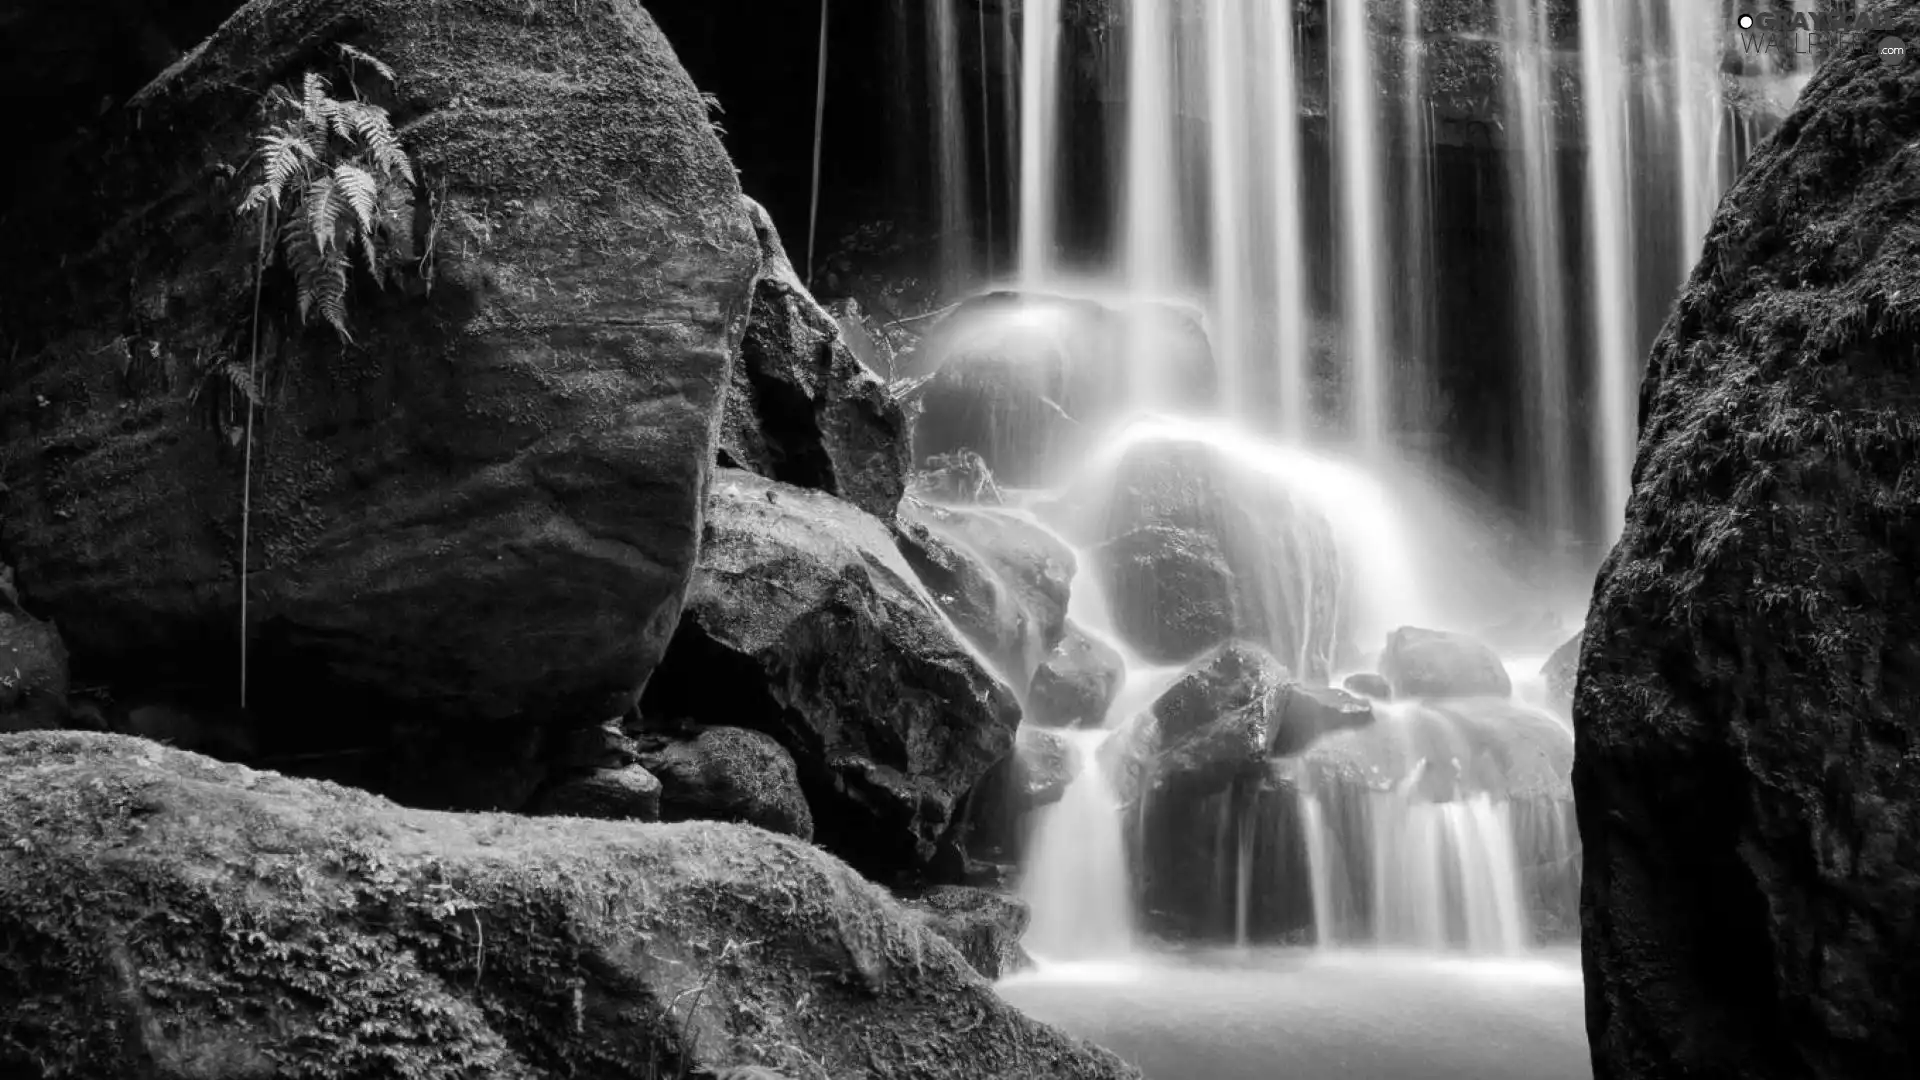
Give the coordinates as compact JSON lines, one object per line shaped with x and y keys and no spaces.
{"x":802,"y":409}
{"x":1214,"y":725}
{"x":1200,"y":550}
{"x":1442,"y":664}
{"x":33,"y":668}
{"x":1309,"y":713}
{"x":624,"y":794}
{"x":805,"y":622}
{"x":607,"y":952}
{"x":1076,"y":683}
{"x":728,"y":774}
{"x":1001,"y":580}
{"x":983,"y":924}
{"x":1748,"y":703}
{"x":1560,"y":671}
{"x":487,"y":512}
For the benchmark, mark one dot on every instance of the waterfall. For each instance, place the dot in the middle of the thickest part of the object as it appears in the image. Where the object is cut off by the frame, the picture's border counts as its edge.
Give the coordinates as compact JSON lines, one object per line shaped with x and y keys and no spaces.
{"x":1610,"y":236}
{"x":1226,"y":88}
{"x":1039,"y":152}
{"x":1362,"y":238}
{"x":1152,"y":197}
{"x":950,"y":144}
{"x":1077,"y":885}
{"x":1284,"y":180}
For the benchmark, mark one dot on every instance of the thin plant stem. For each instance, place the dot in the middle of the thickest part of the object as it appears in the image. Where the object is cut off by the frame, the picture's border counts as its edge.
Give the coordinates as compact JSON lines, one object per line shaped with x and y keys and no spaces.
{"x":246,"y":475}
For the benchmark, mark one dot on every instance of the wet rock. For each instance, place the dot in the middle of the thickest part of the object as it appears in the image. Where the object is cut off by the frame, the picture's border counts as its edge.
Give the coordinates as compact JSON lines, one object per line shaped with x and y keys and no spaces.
{"x":801,"y":408}
{"x":959,"y":478}
{"x":985,"y":925}
{"x":804,"y":622}
{"x":1215,"y":724}
{"x":1748,"y":702}
{"x":1369,"y":684}
{"x":1442,"y":664}
{"x":1076,"y":683}
{"x":1023,"y":380}
{"x":1003,"y":581}
{"x":728,"y":774}
{"x":1562,"y":671}
{"x":486,"y":513}
{"x":1310,"y":713}
{"x":33,"y":669}
{"x":1201,"y":549}
{"x":1043,"y":764}
{"x":625,"y":794}
{"x":612,"y":949}
{"x":865,"y":336}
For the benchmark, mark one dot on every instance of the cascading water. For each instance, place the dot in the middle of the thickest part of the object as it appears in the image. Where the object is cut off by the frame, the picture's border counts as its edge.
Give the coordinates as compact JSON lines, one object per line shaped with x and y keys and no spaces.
{"x":1362,"y":238}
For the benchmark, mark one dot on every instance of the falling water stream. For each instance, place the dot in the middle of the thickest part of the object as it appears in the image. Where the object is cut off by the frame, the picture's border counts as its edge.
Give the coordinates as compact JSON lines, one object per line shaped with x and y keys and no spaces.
{"x":1395,"y":899}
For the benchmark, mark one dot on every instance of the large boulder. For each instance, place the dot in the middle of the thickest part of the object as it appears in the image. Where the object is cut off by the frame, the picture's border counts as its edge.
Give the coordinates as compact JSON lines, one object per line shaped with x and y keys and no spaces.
{"x":1002,"y":580}
{"x":802,"y":408}
{"x":215,"y":922}
{"x":1044,"y":762}
{"x":1215,"y":724}
{"x":1748,"y":701}
{"x":1442,"y":664}
{"x":805,"y":622}
{"x":728,"y":774}
{"x":485,"y":512}
{"x":1198,"y":546}
{"x":1077,"y":683}
{"x":984,"y":924}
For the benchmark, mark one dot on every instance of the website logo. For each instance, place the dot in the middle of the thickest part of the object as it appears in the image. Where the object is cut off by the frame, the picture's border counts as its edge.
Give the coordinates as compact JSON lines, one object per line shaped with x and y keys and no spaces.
{"x":1787,"y":33}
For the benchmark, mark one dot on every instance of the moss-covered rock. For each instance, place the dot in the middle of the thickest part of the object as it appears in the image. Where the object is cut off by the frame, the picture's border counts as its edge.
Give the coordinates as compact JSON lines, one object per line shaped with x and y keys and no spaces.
{"x":486,"y":510}
{"x":1748,"y":702}
{"x":169,"y":916}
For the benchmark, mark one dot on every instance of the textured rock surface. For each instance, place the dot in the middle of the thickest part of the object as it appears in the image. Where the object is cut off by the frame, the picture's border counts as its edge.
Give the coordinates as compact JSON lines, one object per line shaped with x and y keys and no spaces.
{"x":1310,"y":713}
{"x":1043,"y":764}
{"x":630,"y":793}
{"x":801,"y":408}
{"x":1560,"y":671}
{"x":1214,"y":725}
{"x":806,"y":623}
{"x":1442,"y":664}
{"x":1003,"y":581}
{"x":983,"y":924}
{"x":728,"y":774}
{"x":1076,"y":683}
{"x":1748,"y":705}
{"x":485,"y":512}
{"x":33,"y":667}
{"x":310,"y":929}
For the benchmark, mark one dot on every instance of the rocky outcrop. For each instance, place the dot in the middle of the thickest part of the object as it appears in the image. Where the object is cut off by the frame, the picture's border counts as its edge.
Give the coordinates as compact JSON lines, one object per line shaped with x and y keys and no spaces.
{"x":484,"y":513}
{"x":1215,"y":724}
{"x":802,"y":408}
{"x":1002,"y":580}
{"x":1077,"y":682}
{"x":1748,"y":702}
{"x":805,"y":622}
{"x":728,"y":774}
{"x":983,"y":924}
{"x":1442,"y":664}
{"x":313,"y":929}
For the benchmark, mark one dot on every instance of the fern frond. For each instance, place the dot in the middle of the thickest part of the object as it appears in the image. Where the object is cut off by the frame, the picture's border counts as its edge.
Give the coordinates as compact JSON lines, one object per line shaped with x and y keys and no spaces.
{"x":361,"y":193}
{"x":323,"y":211}
{"x":304,"y":261}
{"x":368,"y":59}
{"x":286,"y":156}
{"x":330,"y":293}
{"x":375,"y":129}
{"x":258,"y":196}
{"x":316,"y":102}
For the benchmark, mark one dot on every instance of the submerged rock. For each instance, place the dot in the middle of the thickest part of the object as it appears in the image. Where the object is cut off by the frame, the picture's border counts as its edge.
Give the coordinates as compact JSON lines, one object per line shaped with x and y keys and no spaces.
{"x":806,"y":623}
{"x":481,"y":516}
{"x":1442,"y":664}
{"x":728,"y":774}
{"x":313,"y":929}
{"x":1076,"y":684}
{"x":1002,"y":580}
{"x":984,"y":924}
{"x":801,"y":408}
{"x":1748,"y":702}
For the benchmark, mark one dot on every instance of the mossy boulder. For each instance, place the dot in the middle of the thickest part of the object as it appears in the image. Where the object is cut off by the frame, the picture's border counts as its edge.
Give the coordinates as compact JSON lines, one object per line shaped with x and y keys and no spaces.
{"x":482,"y":512}
{"x":728,"y":774}
{"x":169,"y":915}
{"x":1747,"y":708}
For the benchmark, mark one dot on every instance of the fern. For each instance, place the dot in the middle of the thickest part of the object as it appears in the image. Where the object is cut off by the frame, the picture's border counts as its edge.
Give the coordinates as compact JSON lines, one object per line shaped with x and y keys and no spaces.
{"x":326,"y":164}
